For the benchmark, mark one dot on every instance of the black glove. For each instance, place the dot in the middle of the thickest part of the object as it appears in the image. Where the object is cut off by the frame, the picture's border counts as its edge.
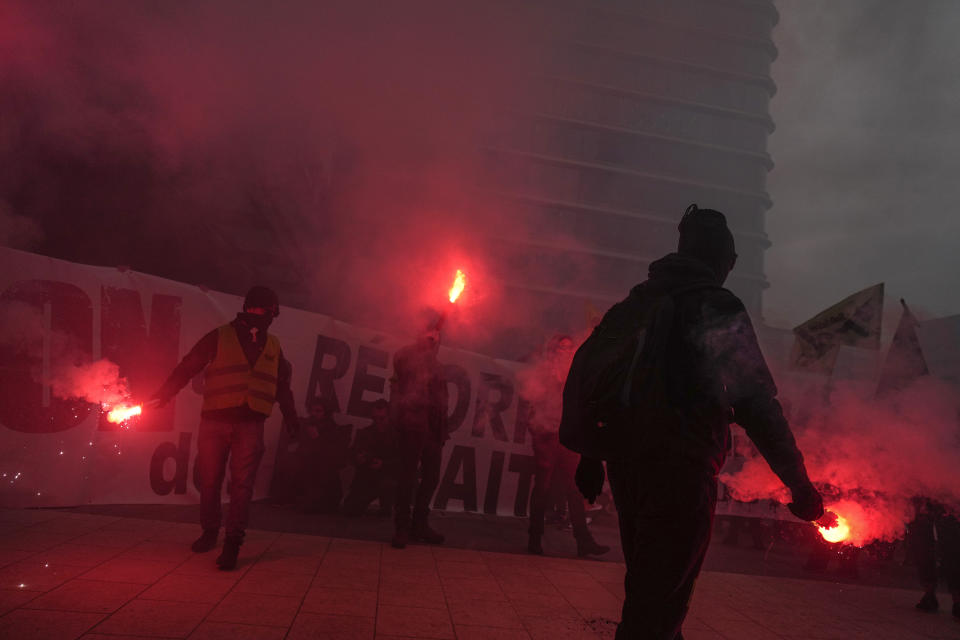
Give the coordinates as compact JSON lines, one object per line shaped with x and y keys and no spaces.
{"x":292,"y":425}
{"x":589,"y":478}
{"x":807,"y":503}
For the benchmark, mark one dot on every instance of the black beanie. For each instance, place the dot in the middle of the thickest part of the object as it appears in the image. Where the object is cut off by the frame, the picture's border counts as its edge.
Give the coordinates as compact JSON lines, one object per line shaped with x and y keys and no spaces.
{"x":262,"y":298}
{"x":704,"y":234}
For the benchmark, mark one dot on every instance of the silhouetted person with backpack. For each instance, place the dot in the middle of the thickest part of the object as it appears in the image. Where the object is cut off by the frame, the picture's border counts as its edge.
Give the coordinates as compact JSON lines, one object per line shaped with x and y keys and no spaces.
{"x":652,"y":392}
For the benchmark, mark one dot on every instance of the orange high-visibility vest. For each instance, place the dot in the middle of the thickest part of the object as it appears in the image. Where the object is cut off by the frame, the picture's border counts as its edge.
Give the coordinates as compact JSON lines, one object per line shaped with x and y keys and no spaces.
{"x":229,"y":381}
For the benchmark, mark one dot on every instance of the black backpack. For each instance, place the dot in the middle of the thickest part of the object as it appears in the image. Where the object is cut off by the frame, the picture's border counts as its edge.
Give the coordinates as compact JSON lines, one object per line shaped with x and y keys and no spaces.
{"x":615,"y":397}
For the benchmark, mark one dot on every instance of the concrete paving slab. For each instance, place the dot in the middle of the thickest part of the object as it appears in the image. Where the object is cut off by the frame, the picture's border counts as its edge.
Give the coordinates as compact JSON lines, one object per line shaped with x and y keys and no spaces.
{"x":138,"y":584}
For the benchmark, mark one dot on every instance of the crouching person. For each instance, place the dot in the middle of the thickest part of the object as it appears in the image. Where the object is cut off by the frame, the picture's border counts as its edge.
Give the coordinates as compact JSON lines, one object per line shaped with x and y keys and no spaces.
{"x":324,"y":452}
{"x":375,"y":459}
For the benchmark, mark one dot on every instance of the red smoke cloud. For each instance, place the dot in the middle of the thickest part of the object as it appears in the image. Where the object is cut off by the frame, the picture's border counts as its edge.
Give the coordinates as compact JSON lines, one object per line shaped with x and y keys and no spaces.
{"x":63,"y":368}
{"x":98,"y":382}
{"x":872,"y":457}
{"x":346,"y":139}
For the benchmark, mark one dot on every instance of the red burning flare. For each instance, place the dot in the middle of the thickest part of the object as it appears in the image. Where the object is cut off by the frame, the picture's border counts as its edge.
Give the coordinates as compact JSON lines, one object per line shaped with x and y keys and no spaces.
{"x":459,"y":284}
{"x":123,"y":412}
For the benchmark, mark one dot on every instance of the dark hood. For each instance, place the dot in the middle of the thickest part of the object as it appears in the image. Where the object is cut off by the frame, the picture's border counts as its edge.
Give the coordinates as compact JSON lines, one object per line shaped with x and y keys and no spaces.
{"x":676,"y":270}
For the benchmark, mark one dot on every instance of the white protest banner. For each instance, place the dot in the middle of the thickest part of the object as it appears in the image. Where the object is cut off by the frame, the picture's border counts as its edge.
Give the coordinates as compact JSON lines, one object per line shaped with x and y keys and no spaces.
{"x":56,"y":451}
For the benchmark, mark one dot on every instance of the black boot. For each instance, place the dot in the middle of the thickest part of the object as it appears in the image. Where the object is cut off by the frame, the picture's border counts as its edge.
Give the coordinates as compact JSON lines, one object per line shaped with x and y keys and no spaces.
{"x":206,"y":541}
{"x":929,"y":603}
{"x":400,"y":538}
{"x":587,"y":546}
{"x":534,"y":545}
{"x":227,"y":561}
{"x":423,"y":533}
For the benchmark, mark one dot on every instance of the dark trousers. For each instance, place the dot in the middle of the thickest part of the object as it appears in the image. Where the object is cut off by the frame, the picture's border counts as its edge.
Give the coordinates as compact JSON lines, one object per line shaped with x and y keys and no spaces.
{"x":242,"y":444}
{"x":554,"y":476}
{"x":666,"y":515}
{"x":369,"y":485}
{"x":924,"y":545}
{"x":418,"y":450}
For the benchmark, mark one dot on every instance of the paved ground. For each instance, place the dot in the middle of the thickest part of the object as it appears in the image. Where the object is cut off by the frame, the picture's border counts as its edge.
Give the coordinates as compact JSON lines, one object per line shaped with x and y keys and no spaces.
{"x":782,"y":555}
{"x":71,"y":575}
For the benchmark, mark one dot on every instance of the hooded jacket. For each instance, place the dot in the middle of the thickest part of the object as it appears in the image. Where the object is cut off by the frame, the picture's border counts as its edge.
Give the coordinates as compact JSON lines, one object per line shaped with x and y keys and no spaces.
{"x":715,"y":371}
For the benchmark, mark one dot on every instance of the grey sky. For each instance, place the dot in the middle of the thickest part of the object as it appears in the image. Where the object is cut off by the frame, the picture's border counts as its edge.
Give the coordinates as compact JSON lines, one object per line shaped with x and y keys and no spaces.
{"x":867,"y":179}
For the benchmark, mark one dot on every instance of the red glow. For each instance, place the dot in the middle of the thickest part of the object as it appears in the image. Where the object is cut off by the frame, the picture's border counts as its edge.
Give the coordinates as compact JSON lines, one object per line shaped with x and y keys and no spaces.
{"x":459,"y":284}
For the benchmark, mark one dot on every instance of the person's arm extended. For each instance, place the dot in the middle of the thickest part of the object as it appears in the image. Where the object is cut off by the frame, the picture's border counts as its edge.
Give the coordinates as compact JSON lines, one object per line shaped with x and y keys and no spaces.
{"x":193,"y":363}
{"x":763,"y":420}
{"x":752,"y":394}
{"x":285,"y":395}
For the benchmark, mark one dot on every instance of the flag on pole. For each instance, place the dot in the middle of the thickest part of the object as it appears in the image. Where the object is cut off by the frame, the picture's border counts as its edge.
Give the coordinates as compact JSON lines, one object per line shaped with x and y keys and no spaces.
{"x":905,"y":362}
{"x":855,"y":321}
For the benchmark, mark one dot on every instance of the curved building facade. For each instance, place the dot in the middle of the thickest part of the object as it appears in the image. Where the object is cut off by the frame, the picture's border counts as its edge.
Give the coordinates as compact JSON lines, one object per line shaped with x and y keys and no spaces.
{"x":639,"y":108}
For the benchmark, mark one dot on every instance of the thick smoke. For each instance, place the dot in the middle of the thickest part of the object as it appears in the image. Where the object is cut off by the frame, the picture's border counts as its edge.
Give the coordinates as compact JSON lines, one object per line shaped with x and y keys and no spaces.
{"x":872,"y":444}
{"x":98,"y":382}
{"x":56,"y":362}
{"x":871,"y":456}
{"x":346,"y":138}
{"x":541,"y":381}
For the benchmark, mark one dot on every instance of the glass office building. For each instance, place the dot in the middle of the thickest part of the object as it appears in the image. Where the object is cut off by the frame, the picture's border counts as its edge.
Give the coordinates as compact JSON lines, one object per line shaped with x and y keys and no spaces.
{"x":639,"y":108}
